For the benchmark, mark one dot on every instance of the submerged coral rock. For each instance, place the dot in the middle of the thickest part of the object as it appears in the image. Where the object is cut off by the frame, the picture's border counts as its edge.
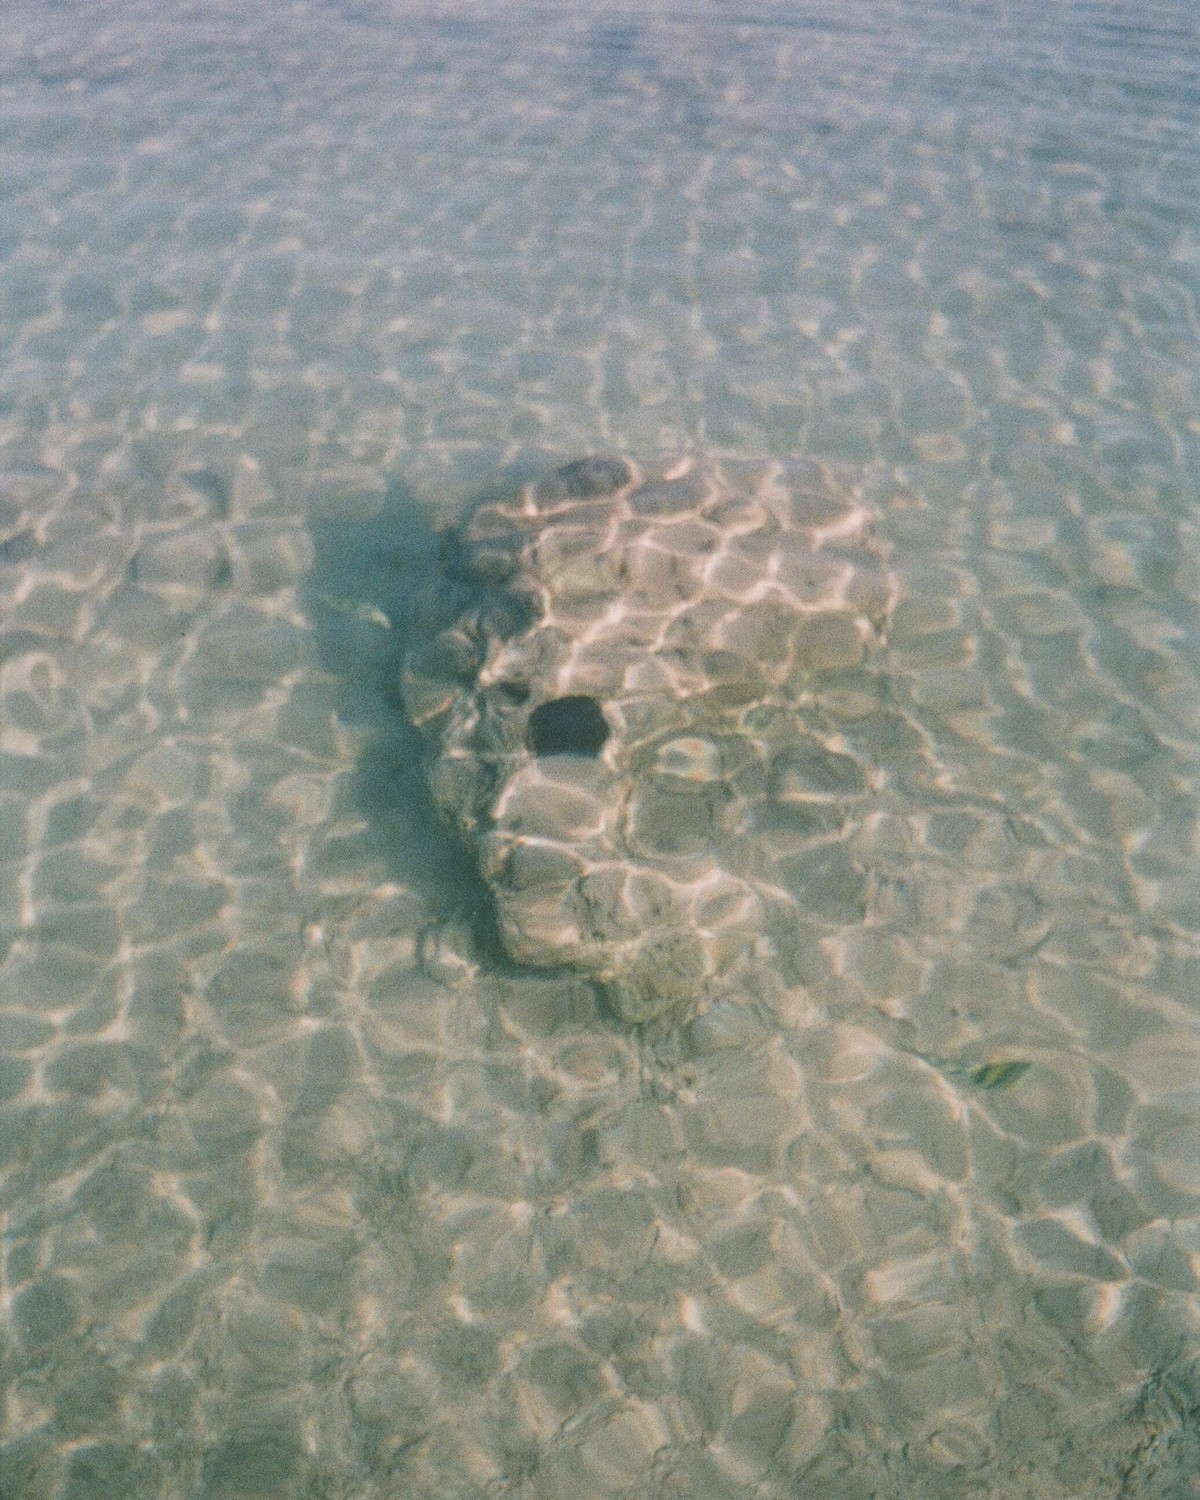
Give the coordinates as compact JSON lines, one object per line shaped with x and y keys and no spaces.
{"x":627,"y":688}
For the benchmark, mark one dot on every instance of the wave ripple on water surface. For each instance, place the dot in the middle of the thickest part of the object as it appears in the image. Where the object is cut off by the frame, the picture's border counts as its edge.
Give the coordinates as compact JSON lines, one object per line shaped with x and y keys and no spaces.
{"x":304,"y":1188}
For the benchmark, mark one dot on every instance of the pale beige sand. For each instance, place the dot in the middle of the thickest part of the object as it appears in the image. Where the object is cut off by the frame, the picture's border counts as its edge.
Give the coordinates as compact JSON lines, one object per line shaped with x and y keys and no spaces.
{"x":306,"y":1191}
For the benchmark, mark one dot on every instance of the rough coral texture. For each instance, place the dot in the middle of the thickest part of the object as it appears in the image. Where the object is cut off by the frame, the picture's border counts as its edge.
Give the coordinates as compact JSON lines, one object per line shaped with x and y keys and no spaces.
{"x":631,"y":685}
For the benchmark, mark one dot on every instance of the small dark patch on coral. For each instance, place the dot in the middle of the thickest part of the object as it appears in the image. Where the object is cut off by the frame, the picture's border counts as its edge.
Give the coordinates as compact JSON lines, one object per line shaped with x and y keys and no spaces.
{"x":568,"y":726}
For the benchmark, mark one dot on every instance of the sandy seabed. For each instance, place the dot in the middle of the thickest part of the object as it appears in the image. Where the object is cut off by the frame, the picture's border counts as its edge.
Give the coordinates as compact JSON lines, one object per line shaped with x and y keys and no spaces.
{"x":305,"y":1190}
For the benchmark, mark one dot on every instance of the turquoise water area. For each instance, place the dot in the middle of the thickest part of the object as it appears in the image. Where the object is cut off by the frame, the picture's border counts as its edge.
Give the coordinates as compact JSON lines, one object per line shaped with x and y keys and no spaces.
{"x":304,"y":1190}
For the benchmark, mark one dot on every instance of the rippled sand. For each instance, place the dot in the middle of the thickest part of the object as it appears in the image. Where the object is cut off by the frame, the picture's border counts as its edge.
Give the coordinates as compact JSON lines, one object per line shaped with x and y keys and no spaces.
{"x":304,"y":1188}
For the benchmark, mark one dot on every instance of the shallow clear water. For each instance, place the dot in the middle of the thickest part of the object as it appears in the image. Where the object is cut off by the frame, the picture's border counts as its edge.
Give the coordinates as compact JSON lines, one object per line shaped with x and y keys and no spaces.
{"x":304,"y":1192}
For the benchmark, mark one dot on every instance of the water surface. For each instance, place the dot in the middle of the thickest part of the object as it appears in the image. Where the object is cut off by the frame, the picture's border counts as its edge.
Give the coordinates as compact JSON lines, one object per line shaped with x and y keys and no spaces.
{"x":304,"y":1191}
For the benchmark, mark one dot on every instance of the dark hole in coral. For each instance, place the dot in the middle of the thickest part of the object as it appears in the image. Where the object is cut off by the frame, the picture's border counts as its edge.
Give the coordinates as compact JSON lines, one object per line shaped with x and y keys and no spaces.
{"x":568,"y":726}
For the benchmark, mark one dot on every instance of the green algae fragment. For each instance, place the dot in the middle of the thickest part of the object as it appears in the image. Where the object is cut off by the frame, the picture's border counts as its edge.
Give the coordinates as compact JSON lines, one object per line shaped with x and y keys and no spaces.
{"x":999,"y":1075}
